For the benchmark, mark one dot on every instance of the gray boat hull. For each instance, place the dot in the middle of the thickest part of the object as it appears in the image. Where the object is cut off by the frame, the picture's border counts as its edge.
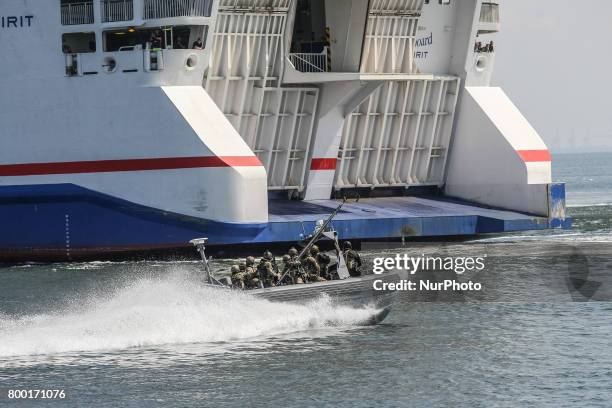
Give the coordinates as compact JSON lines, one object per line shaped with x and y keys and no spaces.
{"x":354,"y":292}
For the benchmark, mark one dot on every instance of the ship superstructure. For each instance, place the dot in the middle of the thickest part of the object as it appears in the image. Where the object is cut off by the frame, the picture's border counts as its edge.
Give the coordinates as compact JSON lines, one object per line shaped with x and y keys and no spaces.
{"x":141,"y":124}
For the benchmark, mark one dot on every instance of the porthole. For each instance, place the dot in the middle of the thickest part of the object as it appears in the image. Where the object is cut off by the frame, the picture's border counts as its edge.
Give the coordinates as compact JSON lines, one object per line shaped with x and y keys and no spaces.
{"x":481,"y":63}
{"x":191,"y":62}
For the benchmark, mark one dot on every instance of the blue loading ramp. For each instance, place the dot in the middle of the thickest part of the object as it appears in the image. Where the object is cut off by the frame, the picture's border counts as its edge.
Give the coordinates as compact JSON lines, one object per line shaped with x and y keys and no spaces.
{"x":397,"y":217}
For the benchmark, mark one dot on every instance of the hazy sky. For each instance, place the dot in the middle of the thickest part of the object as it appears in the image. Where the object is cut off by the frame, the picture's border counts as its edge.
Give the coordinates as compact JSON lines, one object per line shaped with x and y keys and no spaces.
{"x":554,"y":60}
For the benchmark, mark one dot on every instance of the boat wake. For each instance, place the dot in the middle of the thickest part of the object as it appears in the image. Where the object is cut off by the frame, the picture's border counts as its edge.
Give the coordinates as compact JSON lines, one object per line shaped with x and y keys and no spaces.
{"x":153,"y":312}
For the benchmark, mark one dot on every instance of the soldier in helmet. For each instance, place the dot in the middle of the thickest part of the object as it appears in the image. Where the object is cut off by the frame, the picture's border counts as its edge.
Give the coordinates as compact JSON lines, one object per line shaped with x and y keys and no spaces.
{"x":274,"y":264}
{"x":238,"y":277}
{"x":312,"y":269}
{"x":287,"y":272}
{"x":323,"y":260}
{"x":250,"y":262}
{"x":252,"y":278}
{"x":353,"y":260}
{"x":244,"y":275}
{"x":296,"y":266}
{"x":265,"y":270}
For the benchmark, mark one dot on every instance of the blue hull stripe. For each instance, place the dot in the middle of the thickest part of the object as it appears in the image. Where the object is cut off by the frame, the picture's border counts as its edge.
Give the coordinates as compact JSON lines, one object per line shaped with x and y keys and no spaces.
{"x":64,"y":217}
{"x":53,"y":216}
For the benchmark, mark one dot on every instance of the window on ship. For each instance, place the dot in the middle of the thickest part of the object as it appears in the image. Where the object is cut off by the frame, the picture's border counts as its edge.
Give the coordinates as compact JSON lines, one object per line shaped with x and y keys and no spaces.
{"x":78,"y":43}
{"x":173,"y":37}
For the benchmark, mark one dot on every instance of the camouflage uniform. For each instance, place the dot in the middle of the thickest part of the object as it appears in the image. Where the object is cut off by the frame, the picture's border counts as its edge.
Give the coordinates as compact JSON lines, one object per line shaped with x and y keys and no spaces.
{"x":312,"y":269}
{"x":322,"y":261}
{"x":296,"y":264}
{"x":238,"y":277}
{"x":266,"y":271}
{"x":353,"y":260}
{"x":250,"y":261}
{"x":287,"y":271}
{"x":251,"y":273}
{"x":291,"y":270}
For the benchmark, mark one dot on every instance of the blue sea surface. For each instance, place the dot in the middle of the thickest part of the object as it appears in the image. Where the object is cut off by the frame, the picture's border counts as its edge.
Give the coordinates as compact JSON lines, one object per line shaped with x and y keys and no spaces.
{"x":149,"y":334}
{"x":588,"y":177}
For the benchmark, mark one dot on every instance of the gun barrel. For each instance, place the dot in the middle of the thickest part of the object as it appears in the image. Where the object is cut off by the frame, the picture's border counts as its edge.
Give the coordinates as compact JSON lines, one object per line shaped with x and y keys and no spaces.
{"x":322,"y":229}
{"x":318,"y":233}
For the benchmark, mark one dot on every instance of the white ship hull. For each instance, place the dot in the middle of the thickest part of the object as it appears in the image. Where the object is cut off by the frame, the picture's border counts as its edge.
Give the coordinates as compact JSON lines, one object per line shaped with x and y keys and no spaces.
{"x":144,"y":148}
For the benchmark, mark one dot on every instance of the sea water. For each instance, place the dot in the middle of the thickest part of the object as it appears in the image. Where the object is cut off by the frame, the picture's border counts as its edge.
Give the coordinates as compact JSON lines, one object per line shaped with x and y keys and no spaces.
{"x":136,"y":334}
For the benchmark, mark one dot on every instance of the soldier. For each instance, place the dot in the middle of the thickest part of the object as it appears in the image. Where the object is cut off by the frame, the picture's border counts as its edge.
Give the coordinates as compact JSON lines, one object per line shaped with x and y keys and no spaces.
{"x":238,"y":277}
{"x":323,"y":260}
{"x":250,"y":262}
{"x":245,"y":276}
{"x":269,"y":257}
{"x":265,"y":270}
{"x":288,"y":272}
{"x":296,"y":264}
{"x":312,"y":269}
{"x":353,"y":260}
{"x":252,"y":278}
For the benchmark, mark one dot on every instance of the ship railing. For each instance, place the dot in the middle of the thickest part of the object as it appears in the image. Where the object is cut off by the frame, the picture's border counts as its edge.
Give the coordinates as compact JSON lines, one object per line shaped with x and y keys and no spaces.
{"x":117,"y":10}
{"x":77,"y":13}
{"x":154,"y":9}
{"x":310,"y":62}
{"x":489,"y":12}
{"x":254,"y":5}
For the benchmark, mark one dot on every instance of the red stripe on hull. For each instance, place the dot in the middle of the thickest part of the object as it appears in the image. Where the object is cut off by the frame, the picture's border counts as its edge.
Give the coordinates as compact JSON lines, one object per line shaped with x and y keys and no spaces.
{"x":323,"y":164}
{"x":110,"y":166}
{"x":531,"y":156}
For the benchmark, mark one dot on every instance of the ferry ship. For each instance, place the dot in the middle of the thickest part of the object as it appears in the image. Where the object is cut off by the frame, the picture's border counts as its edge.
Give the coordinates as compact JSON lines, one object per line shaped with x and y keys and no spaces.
{"x":138,"y":125}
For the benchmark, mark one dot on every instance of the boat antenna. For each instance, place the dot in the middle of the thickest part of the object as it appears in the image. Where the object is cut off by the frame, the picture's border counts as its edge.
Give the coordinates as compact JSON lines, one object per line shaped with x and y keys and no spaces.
{"x":200,"y":244}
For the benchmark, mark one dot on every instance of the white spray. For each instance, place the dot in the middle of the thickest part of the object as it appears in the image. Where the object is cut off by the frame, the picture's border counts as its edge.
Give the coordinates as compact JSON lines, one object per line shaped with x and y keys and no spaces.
{"x":153,"y":312}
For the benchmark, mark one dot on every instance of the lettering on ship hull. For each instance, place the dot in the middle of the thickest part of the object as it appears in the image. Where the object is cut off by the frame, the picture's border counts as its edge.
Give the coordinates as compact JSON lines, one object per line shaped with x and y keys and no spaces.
{"x":16,"y":21}
{"x":423,"y":42}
